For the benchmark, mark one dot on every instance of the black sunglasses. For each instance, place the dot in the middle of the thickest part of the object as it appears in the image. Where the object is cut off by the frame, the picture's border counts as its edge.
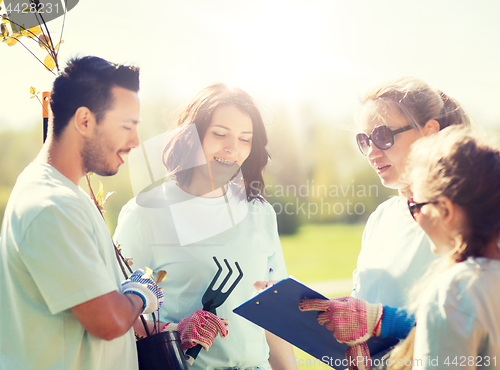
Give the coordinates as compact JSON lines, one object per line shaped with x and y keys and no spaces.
{"x":382,"y":137}
{"x":416,"y":207}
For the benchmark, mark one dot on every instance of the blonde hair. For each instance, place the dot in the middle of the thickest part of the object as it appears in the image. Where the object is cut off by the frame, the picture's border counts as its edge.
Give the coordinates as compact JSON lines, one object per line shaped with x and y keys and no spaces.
{"x":417,"y":102}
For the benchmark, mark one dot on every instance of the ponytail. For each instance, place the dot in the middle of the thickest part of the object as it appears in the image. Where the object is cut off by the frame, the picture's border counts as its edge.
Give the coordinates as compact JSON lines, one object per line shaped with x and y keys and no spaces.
{"x":451,"y":113}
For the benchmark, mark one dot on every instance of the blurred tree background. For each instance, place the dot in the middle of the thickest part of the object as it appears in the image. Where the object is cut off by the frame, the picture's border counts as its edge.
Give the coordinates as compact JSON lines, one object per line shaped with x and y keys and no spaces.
{"x":316,"y":174}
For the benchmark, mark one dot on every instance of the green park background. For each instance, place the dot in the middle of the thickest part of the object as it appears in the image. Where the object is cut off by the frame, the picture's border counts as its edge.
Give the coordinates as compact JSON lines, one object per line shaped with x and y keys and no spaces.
{"x":325,"y":168}
{"x":320,"y":175}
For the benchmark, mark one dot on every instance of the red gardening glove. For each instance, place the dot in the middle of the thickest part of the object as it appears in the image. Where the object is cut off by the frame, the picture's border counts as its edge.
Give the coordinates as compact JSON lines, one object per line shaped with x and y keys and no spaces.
{"x":200,"y":328}
{"x":352,"y":320}
{"x":359,"y":355}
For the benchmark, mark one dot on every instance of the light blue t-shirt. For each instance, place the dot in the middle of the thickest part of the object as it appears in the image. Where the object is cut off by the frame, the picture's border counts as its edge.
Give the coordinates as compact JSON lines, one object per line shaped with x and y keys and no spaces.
{"x":395,"y":253}
{"x":169,"y":229}
{"x":458,"y":320}
{"x":55,"y":253}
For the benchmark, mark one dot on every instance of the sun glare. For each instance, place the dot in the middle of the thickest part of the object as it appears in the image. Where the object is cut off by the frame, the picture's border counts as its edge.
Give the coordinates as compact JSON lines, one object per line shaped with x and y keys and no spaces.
{"x":281,"y":52}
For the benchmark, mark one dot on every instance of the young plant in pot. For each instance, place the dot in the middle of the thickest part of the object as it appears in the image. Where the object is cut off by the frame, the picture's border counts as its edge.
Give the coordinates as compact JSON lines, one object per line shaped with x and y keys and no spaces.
{"x":159,"y":349}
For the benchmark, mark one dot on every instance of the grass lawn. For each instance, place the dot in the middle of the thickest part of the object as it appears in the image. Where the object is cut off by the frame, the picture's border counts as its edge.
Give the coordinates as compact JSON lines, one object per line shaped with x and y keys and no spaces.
{"x":321,"y":252}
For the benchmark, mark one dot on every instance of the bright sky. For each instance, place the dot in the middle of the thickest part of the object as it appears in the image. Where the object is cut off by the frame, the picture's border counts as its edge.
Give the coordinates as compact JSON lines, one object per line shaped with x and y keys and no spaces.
{"x":285,"y":53}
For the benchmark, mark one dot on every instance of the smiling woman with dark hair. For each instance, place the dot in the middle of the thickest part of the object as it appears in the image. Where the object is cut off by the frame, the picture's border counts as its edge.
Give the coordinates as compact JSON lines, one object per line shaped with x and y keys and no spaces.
{"x":213,"y":207}
{"x":179,"y":157}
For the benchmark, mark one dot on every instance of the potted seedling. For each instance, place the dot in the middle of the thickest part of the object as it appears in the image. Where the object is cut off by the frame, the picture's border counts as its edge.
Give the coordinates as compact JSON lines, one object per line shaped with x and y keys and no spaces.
{"x":160,"y":349}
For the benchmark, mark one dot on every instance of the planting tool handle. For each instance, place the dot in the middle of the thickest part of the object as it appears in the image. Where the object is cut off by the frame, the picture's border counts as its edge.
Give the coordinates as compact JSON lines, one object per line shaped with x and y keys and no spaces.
{"x":192,"y":353}
{"x":45,"y":113}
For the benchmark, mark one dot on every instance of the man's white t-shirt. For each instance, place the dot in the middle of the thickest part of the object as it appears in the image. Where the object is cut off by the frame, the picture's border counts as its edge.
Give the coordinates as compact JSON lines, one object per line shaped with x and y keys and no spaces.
{"x":55,"y":253}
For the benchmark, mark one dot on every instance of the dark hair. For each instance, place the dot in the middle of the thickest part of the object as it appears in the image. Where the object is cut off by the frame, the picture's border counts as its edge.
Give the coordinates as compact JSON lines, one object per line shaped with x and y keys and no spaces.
{"x":87,"y":82}
{"x":457,"y":164}
{"x":418,"y":102}
{"x":179,"y":154}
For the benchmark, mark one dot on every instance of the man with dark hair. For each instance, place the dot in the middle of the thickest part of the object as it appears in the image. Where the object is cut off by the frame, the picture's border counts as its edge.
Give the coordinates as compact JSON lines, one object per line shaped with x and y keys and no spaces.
{"x":62,"y":303}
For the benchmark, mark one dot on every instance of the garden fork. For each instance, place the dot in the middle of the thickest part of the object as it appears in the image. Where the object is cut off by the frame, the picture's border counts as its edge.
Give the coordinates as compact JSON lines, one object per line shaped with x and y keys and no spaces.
{"x":214,"y":298}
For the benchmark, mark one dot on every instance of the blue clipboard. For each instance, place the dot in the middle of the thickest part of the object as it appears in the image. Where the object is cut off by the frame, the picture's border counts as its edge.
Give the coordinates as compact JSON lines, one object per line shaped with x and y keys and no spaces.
{"x":276,"y":309}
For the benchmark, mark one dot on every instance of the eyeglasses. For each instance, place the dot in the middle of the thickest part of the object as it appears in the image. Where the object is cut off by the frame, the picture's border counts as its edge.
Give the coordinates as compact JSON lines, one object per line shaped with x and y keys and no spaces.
{"x":416,"y":207}
{"x":382,"y":137}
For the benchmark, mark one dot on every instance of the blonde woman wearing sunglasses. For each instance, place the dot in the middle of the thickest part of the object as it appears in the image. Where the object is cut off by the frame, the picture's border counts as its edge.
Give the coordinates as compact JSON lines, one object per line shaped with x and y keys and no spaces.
{"x":395,"y":251}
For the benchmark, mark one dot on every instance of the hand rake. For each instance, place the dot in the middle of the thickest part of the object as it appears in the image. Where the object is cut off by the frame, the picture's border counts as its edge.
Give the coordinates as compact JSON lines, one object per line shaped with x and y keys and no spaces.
{"x":214,"y":298}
